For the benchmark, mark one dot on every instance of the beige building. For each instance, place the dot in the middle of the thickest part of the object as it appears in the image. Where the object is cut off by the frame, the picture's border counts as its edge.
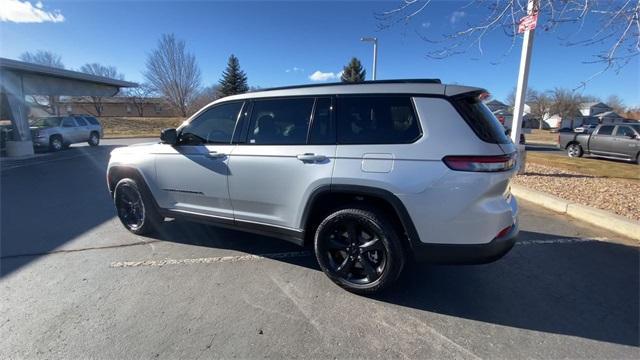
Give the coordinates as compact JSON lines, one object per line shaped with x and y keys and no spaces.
{"x":117,"y":106}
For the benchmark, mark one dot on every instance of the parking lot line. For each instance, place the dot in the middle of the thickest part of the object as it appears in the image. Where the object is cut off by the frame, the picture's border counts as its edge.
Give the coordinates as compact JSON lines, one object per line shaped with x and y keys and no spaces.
{"x":210,"y":260}
{"x":295,"y":254}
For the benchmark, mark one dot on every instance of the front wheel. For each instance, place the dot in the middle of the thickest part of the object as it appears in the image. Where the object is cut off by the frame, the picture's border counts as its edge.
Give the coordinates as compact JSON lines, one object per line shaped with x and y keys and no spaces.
{"x":359,"y":250}
{"x":574,"y":150}
{"x":136,"y":212}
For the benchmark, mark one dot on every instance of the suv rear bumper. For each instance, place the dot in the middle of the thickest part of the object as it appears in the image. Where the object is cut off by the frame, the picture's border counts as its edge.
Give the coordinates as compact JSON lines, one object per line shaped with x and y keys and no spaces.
{"x":466,"y":253}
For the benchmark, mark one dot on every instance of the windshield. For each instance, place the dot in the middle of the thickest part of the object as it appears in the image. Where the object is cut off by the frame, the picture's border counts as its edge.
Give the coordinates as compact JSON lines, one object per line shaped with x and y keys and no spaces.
{"x":47,"y":122}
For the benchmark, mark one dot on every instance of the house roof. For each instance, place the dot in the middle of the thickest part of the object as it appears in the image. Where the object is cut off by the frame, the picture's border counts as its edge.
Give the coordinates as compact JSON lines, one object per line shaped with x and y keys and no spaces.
{"x":26,"y":67}
{"x":589,"y":105}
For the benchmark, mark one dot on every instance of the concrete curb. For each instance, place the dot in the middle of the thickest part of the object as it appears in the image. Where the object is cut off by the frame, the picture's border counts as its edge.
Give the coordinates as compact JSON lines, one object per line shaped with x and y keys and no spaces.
{"x":604,"y":219}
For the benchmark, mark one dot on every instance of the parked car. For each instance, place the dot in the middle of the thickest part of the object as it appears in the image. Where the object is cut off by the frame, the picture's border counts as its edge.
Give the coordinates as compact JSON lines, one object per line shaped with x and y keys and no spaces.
{"x":58,"y":132}
{"x":621,"y":141}
{"x":370,"y":174}
{"x":586,"y":128}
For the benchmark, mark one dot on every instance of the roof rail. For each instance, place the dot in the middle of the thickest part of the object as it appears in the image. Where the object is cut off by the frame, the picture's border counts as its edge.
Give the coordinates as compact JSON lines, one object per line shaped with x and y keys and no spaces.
{"x":368,"y":82}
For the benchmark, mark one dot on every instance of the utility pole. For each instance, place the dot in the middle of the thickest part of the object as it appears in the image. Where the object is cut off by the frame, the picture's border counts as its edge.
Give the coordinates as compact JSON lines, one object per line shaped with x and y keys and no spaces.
{"x":375,"y":53}
{"x":527,"y":25}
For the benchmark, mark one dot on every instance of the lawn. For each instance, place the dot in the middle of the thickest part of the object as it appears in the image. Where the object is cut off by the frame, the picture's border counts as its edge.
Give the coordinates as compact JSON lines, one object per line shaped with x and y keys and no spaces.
{"x":541,"y":137}
{"x":587,"y":166}
{"x":137,"y":126}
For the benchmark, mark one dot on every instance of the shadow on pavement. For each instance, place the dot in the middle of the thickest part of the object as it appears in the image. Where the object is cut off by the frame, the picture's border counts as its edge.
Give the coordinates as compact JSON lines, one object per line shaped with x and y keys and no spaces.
{"x":587,"y":289}
{"x":47,"y":203}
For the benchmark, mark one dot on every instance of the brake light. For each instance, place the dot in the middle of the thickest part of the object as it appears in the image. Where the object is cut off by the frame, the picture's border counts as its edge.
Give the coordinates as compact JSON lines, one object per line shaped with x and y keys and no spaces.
{"x":504,"y":232}
{"x":481,"y":163}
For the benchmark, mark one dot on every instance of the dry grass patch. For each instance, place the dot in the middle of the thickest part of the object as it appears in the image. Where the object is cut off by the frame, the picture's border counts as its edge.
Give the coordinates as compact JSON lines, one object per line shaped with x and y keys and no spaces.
{"x":589,"y":166}
{"x":542,"y":137}
{"x":137,"y":126}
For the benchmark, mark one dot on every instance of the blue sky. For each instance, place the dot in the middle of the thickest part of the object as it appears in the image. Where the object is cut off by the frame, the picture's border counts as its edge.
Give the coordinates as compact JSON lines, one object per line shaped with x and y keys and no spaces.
{"x":283,"y":43}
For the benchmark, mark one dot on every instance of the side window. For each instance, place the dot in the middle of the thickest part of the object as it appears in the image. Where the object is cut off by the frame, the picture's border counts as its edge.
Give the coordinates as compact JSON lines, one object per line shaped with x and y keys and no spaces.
{"x":214,"y":126}
{"x":68,"y":122}
{"x":376,"y":120}
{"x":605,"y":130}
{"x":91,"y":120}
{"x":280,"y":121}
{"x":624,"y":131}
{"x":81,"y":121}
{"x":323,"y":130}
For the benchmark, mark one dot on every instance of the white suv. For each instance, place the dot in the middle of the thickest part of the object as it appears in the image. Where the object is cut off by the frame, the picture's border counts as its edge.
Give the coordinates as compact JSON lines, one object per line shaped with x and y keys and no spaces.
{"x":371,"y":174}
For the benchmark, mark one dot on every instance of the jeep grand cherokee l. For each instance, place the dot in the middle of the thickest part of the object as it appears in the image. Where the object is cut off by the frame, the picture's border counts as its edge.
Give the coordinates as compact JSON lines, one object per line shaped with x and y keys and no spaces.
{"x":370,"y":174}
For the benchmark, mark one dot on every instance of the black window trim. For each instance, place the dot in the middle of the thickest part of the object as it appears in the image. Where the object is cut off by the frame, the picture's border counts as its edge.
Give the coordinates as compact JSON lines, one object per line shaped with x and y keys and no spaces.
{"x":411,"y":97}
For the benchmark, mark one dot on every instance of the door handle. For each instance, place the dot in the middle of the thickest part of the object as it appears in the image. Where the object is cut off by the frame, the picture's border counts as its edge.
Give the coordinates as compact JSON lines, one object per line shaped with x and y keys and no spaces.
{"x":311,"y":157}
{"x":215,"y":155}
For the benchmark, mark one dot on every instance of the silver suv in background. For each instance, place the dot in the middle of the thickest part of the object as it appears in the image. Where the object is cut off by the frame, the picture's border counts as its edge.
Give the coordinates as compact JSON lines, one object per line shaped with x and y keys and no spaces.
{"x":58,"y":132}
{"x":371,"y":175}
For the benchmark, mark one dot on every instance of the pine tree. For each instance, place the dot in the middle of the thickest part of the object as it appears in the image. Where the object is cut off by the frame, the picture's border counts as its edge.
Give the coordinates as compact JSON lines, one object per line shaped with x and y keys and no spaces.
{"x":234,"y":80}
{"x":353,"y":72}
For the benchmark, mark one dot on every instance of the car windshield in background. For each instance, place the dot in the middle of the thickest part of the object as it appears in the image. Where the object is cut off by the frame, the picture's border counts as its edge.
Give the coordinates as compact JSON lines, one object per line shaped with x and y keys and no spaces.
{"x":47,"y":122}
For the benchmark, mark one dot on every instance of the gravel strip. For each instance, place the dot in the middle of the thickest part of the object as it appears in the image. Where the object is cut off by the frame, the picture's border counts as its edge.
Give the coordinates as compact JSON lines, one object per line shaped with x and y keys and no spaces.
{"x":619,"y":196}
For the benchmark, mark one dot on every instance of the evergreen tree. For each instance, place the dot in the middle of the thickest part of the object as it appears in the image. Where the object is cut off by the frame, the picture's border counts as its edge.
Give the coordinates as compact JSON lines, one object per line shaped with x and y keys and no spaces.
{"x":234,"y":80}
{"x":353,"y":72}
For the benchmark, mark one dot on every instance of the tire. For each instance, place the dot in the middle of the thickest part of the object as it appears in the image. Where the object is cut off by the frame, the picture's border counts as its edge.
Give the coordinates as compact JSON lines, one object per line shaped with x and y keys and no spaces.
{"x":359,"y":250}
{"x":638,"y":159}
{"x":135,"y":209}
{"x":94,"y":139}
{"x":56,"y":143}
{"x":574,"y":150}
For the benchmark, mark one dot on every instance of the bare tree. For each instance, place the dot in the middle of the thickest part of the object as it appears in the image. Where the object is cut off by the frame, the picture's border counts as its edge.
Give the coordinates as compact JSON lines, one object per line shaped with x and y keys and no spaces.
{"x":530,"y":96}
{"x":540,"y":105}
{"x":104,"y":71}
{"x":50,"y":103}
{"x":617,"y":104}
{"x":565,"y":103}
{"x":174,"y":72}
{"x":139,"y":96}
{"x":616,"y":40}
{"x":204,"y":97}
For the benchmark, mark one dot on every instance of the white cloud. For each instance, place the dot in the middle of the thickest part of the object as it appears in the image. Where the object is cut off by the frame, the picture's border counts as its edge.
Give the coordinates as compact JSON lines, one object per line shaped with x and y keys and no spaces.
{"x":457,"y":16}
{"x":24,"y":12}
{"x":426,"y":24}
{"x":324,"y":76}
{"x":294,"y":69}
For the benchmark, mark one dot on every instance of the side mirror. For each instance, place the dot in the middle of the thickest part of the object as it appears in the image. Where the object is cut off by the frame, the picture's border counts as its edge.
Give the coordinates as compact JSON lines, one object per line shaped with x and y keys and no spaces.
{"x":169,"y":136}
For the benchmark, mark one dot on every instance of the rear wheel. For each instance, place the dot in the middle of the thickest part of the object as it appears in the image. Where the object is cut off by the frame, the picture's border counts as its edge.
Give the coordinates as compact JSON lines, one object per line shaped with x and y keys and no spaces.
{"x":94,"y":139}
{"x":574,"y":150}
{"x":136,"y":211}
{"x":359,"y":250}
{"x":55,"y":143}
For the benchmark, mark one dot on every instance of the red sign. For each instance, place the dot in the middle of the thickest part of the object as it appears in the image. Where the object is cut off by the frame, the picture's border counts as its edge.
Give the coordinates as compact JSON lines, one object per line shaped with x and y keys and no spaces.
{"x":528,"y":23}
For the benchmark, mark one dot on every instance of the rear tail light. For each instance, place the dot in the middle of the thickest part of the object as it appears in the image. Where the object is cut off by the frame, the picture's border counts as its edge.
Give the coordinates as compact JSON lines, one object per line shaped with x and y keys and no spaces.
{"x":504,"y":232}
{"x":481,"y":163}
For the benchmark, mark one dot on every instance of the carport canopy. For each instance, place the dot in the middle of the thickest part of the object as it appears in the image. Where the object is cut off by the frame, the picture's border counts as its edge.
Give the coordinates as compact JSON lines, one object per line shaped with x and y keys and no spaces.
{"x":19,"y":79}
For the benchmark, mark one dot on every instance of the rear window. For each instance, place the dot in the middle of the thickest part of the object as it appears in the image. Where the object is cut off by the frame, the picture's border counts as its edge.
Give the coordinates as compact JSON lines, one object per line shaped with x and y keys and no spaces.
{"x":605,"y":130}
{"x":92,"y":120}
{"x":377,"y":120}
{"x":481,"y":120}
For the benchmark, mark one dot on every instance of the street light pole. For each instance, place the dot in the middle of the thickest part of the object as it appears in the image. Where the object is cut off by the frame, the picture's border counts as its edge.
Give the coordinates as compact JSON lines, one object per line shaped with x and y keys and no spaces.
{"x":375,"y":53}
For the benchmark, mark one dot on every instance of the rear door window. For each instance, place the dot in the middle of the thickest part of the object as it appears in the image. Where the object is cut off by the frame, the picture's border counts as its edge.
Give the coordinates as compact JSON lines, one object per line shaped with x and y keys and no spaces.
{"x":481,"y":120}
{"x":377,"y":120}
{"x":606,"y":130}
{"x":68,"y":122}
{"x":280,"y":121}
{"x":81,"y":121}
{"x":624,"y":131}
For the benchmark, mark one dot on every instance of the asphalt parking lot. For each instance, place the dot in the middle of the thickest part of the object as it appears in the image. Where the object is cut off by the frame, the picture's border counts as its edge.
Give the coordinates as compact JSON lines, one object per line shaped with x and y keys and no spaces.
{"x":75,"y":284}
